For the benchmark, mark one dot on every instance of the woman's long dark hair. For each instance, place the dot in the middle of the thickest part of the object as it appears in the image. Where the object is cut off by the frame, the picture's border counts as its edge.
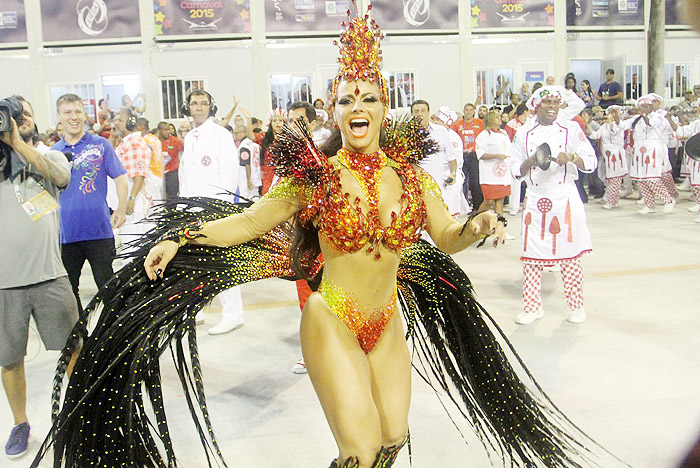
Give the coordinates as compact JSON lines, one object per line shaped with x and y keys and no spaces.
{"x":305,"y":247}
{"x":267,"y":139}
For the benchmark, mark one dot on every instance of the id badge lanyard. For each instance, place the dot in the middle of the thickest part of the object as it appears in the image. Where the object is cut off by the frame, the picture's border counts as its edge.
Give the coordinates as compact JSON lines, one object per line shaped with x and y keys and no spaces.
{"x":40,"y":204}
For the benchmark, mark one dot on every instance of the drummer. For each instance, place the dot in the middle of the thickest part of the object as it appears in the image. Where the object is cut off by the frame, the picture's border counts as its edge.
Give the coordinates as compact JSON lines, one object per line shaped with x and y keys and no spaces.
{"x":554,"y":230}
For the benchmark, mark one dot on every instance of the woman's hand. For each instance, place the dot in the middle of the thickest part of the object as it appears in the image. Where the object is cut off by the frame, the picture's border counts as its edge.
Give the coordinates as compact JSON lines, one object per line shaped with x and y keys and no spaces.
{"x":158,"y":258}
{"x":487,"y":224}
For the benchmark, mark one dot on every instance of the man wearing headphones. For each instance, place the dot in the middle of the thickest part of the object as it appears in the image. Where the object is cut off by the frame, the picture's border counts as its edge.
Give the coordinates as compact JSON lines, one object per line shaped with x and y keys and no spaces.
{"x":209,"y":168}
{"x":135,"y":155}
{"x":86,"y":223}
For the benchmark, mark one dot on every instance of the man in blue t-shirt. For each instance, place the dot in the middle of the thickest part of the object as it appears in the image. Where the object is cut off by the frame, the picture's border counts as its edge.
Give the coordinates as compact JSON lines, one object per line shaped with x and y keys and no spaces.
{"x":86,"y":223}
{"x":610,"y":92}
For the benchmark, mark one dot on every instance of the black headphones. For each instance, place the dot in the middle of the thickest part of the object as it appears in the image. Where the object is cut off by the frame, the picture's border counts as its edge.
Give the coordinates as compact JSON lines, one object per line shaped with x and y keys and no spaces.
{"x":185,"y":108}
{"x":131,"y":121}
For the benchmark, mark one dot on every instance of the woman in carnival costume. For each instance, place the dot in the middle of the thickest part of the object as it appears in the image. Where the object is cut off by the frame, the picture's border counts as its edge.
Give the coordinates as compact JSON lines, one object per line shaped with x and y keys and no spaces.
{"x":362,"y":202}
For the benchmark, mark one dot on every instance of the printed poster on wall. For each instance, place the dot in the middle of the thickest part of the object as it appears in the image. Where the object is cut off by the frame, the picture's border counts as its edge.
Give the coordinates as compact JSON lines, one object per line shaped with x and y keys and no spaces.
{"x":13,"y":26}
{"x":605,"y":12}
{"x":673,"y":17}
{"x":195,"y":17}
{"x":93,"y":20}
{"x":306,"y":15}
{"x":512,"y":13}
{"x":415,"y":14}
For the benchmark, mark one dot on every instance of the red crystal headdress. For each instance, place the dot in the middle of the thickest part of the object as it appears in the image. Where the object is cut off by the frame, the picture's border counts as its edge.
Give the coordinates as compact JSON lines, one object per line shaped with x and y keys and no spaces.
{"x":360,"y":54}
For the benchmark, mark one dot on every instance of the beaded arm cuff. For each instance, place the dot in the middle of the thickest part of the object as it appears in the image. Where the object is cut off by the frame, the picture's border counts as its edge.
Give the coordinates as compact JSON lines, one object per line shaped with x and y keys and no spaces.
{"x":501,"y":219}
{"x":184,"y":233}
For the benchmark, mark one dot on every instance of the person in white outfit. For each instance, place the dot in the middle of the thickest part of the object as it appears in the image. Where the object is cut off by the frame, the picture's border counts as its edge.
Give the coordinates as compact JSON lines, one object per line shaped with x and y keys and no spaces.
{"x":651,"y":132}
{"x":493,"y":148}
{"x":454,"y":196}
{"x":612,"y":139}
{"x":441,"y":165}
{"x":554,"y":221}
{"x":683,"y":132}
{"x":209,"y":168}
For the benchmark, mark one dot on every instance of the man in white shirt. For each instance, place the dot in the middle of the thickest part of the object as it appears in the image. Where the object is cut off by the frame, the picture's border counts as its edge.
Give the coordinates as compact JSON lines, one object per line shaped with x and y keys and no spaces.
{"x":454,"y":197}
{"x":441,"y":165}
{"x":554,"y":221}
{"x":306,"y":112}
{"x":249,"y":175}
{"x":209,"y":168}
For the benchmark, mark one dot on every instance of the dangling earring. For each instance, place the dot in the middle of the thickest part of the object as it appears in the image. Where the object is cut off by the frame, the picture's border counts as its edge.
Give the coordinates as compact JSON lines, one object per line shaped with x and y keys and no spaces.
{"x":335,"y":125}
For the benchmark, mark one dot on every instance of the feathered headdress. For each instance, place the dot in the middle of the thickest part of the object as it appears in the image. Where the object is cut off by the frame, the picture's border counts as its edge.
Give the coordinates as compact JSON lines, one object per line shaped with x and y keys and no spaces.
{"x":360,"y":55}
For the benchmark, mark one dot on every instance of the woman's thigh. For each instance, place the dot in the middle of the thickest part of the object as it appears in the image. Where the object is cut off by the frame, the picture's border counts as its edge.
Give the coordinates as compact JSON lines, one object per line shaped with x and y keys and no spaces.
{"x":390,"y":367}
{"x":340,"y":373}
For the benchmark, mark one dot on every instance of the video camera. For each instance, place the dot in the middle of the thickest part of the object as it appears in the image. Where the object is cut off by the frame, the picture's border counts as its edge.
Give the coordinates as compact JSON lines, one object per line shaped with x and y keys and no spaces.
{"x":10,"y":108}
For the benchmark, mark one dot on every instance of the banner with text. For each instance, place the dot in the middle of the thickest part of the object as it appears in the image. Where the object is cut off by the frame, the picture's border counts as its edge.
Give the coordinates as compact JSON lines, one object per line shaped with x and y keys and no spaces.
{"x":196,"y":17}
{"x":605,"y":13}
{"x":512,"y":13}
{"x":283,"y":16}
{"x":13,"y":26}
{"x":415,"y":14}
{"x":92,"y":20}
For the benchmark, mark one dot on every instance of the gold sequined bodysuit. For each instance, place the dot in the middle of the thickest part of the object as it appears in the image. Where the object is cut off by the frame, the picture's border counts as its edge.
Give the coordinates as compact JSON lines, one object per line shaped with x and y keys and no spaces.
{"x":346,"y":228}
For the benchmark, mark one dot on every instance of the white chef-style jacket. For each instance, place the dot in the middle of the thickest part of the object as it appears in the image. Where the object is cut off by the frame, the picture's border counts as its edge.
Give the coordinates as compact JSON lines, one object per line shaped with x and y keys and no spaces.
{"x":453,"y":194}
{"x":437,"y":164}
{"x":209,"y":163}
{"x":687,"y":131}
{"x":554,"y":222}
{"x":612,"y":140}
{"x":650,"y":158}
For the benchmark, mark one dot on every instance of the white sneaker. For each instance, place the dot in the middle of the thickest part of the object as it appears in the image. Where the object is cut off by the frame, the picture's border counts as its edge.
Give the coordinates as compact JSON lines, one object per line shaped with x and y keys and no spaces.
{"x":224,"y":327}
{"x":513,"y":212}
{"x":608,"y":206}
{"x":509,"y":237}
{"x":668,"y":207}
{"x":645,"y":210}
{"x":199,"y":318}
{"x":299,"y":367}
{"x":684,"y":186}
{"x":695,"y":208}
{"x":640,"y":201}
{"x":526,"y":318}
{"x":577,"y":316}
{"x":626,"y":193}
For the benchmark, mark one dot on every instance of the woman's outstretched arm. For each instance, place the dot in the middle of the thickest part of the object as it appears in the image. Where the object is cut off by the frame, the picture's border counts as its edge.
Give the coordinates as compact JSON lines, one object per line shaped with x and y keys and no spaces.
{"x":278,"y":206}
{"x":449,"y":235}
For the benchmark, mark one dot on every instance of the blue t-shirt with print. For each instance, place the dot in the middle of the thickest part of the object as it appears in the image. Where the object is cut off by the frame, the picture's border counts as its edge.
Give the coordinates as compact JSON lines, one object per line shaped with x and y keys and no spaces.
{"x":84,"y":210}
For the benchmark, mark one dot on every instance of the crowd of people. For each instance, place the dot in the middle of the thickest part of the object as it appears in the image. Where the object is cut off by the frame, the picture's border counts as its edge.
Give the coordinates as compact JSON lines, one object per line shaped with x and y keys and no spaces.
{"x":486,"y":159}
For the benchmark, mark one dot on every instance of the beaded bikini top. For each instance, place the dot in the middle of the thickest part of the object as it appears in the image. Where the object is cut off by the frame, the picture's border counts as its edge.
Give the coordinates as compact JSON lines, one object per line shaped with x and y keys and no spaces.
{"x":341,"y":221}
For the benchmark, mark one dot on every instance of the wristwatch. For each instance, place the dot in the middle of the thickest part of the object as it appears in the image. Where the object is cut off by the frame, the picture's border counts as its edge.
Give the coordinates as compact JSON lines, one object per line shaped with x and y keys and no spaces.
{"x":573,"y":157}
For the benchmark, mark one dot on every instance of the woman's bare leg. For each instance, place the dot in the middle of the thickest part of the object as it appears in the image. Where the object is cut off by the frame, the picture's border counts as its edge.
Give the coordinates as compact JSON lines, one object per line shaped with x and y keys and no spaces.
{"x":365,"y":397}
{"x":390,"y":365}
{"x":340,"y":373}
{"x":499,"y":206}
{"x":486,"y":205}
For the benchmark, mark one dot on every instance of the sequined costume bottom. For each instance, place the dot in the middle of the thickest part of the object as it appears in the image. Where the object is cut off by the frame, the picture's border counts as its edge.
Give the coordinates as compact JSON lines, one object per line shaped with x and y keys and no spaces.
{"x":366,"y":325}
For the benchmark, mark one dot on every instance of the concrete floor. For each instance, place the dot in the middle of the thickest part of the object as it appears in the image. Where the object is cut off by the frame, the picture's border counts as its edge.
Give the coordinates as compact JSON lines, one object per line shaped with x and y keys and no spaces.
{"x":629,"y":376}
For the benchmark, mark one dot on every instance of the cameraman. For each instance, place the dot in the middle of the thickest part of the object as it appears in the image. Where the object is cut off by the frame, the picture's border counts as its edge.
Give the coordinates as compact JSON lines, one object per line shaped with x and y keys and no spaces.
{"x":33,"y":281}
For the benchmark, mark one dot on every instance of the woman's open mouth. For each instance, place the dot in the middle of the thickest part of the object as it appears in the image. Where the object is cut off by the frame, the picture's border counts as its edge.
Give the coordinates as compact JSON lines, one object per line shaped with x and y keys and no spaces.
{"x":359,"y":127}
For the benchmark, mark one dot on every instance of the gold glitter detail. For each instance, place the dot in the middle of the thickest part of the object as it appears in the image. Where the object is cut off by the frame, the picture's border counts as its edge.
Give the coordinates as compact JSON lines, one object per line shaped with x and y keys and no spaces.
{"x":366,"y":325}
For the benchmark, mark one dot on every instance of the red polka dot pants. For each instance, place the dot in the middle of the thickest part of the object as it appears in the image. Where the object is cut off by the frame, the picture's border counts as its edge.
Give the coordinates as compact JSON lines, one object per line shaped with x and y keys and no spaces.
{"x":612,"y":191}
{"x":651,"y":187}
{"x":572,"y":276}
{"x":667,"y":180}
{"x":696,"y":190}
